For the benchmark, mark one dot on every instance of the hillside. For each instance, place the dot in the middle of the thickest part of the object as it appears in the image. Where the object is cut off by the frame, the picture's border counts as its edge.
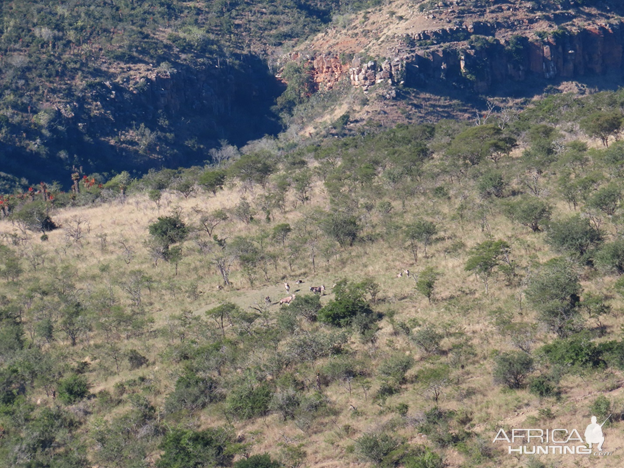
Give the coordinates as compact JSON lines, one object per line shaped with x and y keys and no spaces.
{"x":472,"y":282}
{"x":125,"y":85}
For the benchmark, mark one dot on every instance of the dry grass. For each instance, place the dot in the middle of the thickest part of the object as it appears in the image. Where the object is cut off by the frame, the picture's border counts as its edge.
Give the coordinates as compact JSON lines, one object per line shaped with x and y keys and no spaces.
{"x":460,"y":307}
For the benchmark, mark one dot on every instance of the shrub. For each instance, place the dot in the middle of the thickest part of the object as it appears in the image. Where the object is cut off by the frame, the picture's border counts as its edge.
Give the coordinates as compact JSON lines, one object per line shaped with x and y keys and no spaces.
{"x":136,"y":359}
{"x":554,"y":293}
{"x":169,"y":230}
{"x":611,"y":256}
{"x":601,"y":408}
{"x":306,"y":306}
{"x":375,"y":447}
{"x":212,"y":180}
{"x":543,"y":386}
{"x":35,"y":216}
{"x":341,"y":311}
{"x":287,"y":403}
{"x":396,"y":367}
{"x":341,"y":368}
{"x":73,"y":389}
{"x":248,"y":401}
{"x":425,"y":284}
{"x":258,"y":461}
{"x":192,"y":393}
{"x":342,"y":227}
{"x":427,"y":339}
{"x":491,"y":184}
{"x":311,"y":346}
{"x":422,"y":457}
{"x":574,"y":352}
{"x":530,"y":211}
{"x":512,"y":368}
{"x":574,"y":235}
{"x":195,"y":449}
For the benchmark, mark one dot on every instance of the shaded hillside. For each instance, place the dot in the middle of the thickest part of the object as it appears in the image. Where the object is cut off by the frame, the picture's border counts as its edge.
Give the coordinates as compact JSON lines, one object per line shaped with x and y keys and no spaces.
{"x":131,"y":85}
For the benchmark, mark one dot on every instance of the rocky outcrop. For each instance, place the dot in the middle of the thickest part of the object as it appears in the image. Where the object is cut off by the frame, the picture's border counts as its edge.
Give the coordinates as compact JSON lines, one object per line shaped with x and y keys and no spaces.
{"x":483,"y":60}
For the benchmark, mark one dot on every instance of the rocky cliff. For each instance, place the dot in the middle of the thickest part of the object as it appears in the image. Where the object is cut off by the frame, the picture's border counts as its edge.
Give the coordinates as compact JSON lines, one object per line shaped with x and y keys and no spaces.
{"x":476,"y":56}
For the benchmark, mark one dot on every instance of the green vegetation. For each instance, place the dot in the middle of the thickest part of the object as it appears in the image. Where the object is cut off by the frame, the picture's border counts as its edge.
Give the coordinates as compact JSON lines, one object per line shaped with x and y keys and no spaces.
{"x":426,"y":270}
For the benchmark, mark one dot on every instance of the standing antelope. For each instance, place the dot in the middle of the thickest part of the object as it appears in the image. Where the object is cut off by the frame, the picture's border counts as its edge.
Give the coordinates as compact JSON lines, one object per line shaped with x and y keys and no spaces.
{"x":287,"y":286}
{"x":400,"y":275}
{"x":407,"y":273}
{"x":287,"y":300}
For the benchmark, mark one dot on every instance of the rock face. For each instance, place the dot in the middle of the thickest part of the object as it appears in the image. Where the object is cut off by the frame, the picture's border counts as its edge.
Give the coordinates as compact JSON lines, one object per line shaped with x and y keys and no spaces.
{"x":482,"y":61}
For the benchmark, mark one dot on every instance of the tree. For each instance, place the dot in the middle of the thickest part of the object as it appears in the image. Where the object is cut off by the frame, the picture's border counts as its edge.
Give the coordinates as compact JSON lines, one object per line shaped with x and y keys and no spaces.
{"x":575,"y":235}
{"x":306,"y":306}
{"x":485,"y":257}
{"x":426,"y":282}
{"x":185,"y":448}
{"x":212,"y":180}
{"x":342,"y":227}
{"x":220,"y":313}
{"x":602,"y":125}
{"x":249,"y":401}
{"x":252,"y":168}
{"x":211,"y":220}
{"x":35,"y":216}
{"x":169,"y":230}
{"x":491,"y":184}
{"x":420,"y":231}
{"x":554,"y":292}
{"x":348,"y":304}
{"x":476,"y":143}
{"x":72,"y":389}
{"x":611,"y":256}
{"x":512,"y":368}
{"x":531,"y":212}
{"x":606,"y":199}
{"x":281,"y":232}
{"x":10,"y":268}
{"x":434,"y":379}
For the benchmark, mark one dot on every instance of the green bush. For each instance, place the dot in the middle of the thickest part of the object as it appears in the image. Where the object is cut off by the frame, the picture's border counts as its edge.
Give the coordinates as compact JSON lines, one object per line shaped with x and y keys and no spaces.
{"x":395,"y":367}
{"x":543,"y":386}
{"x":73,"y":389}
{"x":375,"y":447}
{"x":248,"y":401}
{"x":512,"y":368}
{"x":35,"y":216}
{"x":169,"y":230}
{"x":530,"y":211}
{"x":136,"y":359}
{"x":428,"y":339}
{"x":554,"y":293}
{"x":342,"y":227}
{"x":196,"y":449}
{"x":258,"y":461}
{"x":192,"y":393}
{"x":601,"y":408}
{"x":610,"y":257}
{"x":491,"y":184}
{"x":574,"y":352}
{"x":574,"y":235}
{"x":306,"y":306}
{"x":212,"y":180}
